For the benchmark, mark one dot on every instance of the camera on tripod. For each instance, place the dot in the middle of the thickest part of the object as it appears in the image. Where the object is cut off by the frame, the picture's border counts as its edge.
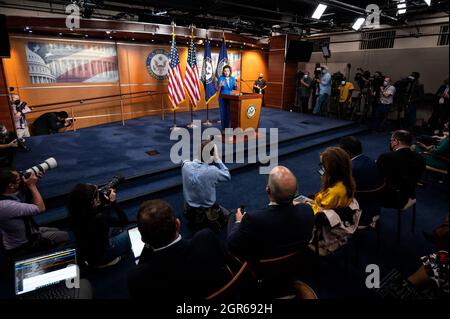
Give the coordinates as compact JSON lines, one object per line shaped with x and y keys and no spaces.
{"x":106,"y":189}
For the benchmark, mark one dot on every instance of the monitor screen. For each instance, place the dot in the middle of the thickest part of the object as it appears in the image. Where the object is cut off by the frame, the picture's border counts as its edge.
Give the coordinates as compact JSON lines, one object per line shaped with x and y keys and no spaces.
{"x":45,"y":270}
{"x":299,"y":51}
{"x":136,"y":242}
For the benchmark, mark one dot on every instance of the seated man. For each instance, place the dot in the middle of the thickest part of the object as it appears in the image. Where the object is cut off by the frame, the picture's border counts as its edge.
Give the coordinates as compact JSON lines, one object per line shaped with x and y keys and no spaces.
{"x":366,"y":176}
{"x":200,"y":178}
{"x":276,"y":230}
{"x":402,"y":169}
{"x":50,"y":123}
{"x":364,"y":169}
{"x":18,"y":228}
{"x":171,"y":267}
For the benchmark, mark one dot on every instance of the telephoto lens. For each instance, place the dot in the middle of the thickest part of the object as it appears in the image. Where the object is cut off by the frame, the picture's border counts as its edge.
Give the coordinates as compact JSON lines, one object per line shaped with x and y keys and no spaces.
{"x":49,"y":163}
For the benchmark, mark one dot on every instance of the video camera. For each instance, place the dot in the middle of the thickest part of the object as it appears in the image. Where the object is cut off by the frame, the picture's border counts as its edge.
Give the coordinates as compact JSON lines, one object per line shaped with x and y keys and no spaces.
{"x":49,"y":163}
{"x":105,"y":190}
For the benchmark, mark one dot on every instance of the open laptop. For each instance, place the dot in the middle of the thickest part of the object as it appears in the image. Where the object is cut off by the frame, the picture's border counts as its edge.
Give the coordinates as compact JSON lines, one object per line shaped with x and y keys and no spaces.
{"x":46,"y":276}
{"x":136,"y":243}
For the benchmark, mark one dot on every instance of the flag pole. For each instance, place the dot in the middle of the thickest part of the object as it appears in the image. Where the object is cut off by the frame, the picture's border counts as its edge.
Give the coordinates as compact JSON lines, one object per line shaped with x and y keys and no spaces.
{"x":191,"y":125}
{"x":174,"y":126}
{"x":207,"y":122}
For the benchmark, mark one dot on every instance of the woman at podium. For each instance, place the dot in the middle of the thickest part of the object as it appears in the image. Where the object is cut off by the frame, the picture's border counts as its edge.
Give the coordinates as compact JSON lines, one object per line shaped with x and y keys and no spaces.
{"x":227,"y":84}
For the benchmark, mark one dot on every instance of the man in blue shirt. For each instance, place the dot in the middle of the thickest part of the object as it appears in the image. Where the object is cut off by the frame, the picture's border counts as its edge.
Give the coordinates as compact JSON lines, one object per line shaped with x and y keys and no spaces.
{"x":324,"y":93}
{"x":200,"y":178}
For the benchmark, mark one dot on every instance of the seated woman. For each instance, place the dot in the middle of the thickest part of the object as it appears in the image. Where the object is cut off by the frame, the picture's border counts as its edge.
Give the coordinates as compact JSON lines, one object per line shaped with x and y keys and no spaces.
{"x":338,"y":185}
{"x":99,"y":237}
{"x":436,"y":156}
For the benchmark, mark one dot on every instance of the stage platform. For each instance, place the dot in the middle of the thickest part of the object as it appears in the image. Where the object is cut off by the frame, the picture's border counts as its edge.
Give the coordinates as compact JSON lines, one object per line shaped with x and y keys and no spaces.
{"x":96,"y":154}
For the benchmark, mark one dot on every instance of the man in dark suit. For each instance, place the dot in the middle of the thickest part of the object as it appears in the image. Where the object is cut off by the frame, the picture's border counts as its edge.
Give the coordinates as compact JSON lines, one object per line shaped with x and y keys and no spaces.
{"x":278,"y":229}
{"x":402,"y":169}
{"x":366,"y":176}
{"x":364,"y":169}
{"x":51,"y":123}
{"x":173,"y":268}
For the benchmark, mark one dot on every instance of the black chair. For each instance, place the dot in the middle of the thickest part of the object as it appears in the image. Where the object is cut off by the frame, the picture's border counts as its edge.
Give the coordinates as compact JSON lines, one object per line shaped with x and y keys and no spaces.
{"x":370,"y":204}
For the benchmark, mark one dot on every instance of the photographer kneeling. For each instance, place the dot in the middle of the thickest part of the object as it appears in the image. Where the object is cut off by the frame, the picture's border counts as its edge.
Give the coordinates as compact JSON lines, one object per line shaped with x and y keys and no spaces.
{"x":100,"y":237}
{"x":51,"y":123}
{"x":20,"y":232}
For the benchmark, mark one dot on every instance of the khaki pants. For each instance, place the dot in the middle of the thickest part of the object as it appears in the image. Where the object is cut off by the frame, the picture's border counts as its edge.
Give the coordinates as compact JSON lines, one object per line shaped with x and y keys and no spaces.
{"x":22,"y":132}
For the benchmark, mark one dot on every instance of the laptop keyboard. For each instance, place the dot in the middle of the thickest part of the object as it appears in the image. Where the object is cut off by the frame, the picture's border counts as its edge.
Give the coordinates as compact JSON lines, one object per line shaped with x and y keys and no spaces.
{"x":60,"y":292}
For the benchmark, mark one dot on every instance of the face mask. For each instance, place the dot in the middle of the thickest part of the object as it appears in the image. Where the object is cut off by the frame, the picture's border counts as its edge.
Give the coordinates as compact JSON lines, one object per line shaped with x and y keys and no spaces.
{"x":343,"y":82}
{"x":305,"y":76}
{"x":385,"y":83}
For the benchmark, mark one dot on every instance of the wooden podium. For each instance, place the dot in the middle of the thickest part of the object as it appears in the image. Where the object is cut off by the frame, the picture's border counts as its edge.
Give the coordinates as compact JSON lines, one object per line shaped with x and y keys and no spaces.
{"x":245,"y":110}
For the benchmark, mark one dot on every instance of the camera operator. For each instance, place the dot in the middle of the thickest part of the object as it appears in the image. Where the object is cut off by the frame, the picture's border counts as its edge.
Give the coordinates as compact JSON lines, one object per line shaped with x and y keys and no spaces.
{"x":51,"y":122}
{"x":306,"y":83}
{"x":100,"y":237}
{"x":20,"y":232}
{"x":200,"y":178}
{"x":415,"y":94}
{"x":324,"y":84}
{"x":19,"y":109}
{"x":387,"y":92}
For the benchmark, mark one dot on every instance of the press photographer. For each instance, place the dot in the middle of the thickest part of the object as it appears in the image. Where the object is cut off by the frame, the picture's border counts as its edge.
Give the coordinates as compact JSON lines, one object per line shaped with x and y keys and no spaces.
{"x":20,"y":199}
{"x":100,"y":234}
{"x":19,"y":109}
{"x":200,"y":178}
{"x":51,"y":123}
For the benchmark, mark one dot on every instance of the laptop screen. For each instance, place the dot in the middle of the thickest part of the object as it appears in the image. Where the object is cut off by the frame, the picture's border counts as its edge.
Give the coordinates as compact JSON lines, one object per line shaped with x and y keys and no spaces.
{"x":136,"y":242}
{"x":44,"y":270}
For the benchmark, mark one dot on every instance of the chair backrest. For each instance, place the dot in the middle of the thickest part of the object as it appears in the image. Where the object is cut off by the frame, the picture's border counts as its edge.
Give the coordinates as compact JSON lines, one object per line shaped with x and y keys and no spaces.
{"x":231,"y":286}
{"x":370,"y":201}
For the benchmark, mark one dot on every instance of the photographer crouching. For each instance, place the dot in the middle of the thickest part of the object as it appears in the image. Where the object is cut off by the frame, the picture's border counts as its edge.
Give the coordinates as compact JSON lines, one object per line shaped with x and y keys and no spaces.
{"x":101,"y":238}
{"x":51,"y":123}
{"x":19,"y":201}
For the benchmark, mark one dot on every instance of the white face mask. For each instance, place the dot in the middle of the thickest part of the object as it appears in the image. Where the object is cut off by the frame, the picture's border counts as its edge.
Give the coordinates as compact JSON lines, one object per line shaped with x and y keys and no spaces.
{"x":385,"y":83}
{"x":305,"y":76}
{"x":343,"y":82}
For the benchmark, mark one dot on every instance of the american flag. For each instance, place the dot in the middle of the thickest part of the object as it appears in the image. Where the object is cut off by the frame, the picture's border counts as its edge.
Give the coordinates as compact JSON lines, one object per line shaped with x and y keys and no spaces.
{"x":191,"y":78}
{"x":176,"y":90}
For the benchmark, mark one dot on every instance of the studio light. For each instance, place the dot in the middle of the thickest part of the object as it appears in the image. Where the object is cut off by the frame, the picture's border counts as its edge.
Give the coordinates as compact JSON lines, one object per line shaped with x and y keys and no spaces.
{"x":428,"y":2}
{"x":358,"y":24}
{"x":319,"y":11}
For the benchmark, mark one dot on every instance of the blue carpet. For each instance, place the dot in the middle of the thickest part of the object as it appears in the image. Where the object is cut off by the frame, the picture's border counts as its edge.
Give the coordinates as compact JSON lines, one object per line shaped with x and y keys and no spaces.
{"x":95,"y":154}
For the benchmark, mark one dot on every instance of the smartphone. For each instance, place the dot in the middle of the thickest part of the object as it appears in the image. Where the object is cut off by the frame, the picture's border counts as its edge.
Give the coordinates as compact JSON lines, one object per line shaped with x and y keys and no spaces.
{"x":301,"y":199}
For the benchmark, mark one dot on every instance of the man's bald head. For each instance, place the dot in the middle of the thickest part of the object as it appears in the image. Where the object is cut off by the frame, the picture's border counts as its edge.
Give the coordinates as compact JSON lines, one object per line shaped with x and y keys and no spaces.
{"x":282,"y":185}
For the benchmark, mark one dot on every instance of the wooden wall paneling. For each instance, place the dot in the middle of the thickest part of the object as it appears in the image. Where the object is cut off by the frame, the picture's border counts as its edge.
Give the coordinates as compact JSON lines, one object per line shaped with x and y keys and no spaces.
{"x":5,"y":107}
